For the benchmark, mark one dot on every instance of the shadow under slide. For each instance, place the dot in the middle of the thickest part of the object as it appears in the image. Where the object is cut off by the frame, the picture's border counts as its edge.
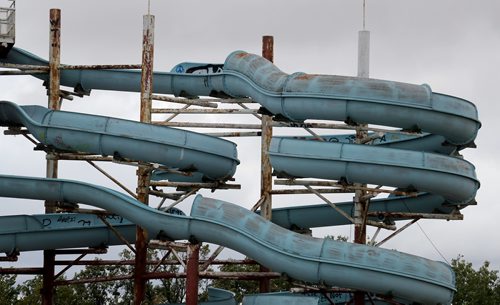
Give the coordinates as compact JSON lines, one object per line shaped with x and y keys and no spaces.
{"x":316,"y":260}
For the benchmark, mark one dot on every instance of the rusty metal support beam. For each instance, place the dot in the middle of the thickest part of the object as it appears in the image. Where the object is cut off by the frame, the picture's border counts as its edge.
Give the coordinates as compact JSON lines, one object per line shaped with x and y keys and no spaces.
{"x":101,"y":67}
{"x":187,"y":102}
{"x":54,"y":103}
{"x":24,"y":72}
{"x":121,"y":185}
{"x":118,"y":234}
{"x":234,"y":134}
{"x":306,"y":191}
{"x":397,"y":232}
{"x":184,"y":197}
{"x":153,"y":262}
{"x":250,"y":276}
{"x":456,"y":216}
{"x":143,"y":172}
{"x":81,"y":251}
{"x":340,"y":185}
{"x":192,"y":274}
{"x":12,"y":270}
{"x":202,"y":185}
{"x":212,"y":258}
{"x":266,"y":170}
{"x":203,"y":111}
{"x":69,"y":265}
{"x":24,"y":67}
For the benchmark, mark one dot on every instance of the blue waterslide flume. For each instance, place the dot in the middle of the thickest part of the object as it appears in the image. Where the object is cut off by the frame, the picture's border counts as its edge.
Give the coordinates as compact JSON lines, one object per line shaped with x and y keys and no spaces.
{"x":420,"y":163}
{"x":302,"y":257}
{"x":298,"y":96}
{"x":213,"y":158}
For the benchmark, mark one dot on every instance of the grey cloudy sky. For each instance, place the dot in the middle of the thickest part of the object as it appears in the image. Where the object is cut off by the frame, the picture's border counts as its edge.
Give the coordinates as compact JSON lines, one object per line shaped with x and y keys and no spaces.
{"x":452,"y":45}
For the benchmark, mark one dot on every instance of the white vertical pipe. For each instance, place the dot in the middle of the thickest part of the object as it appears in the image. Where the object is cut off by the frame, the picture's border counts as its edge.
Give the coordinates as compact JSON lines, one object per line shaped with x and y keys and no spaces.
{"x":364,"y":54}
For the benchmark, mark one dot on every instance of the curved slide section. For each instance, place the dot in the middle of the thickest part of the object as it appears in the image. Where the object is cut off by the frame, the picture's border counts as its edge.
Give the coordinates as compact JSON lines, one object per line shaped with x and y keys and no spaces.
{"x":214,"y":158}
{"x":450,"y":177}
{"x":298,"y":96}
{"x":302,"y":257}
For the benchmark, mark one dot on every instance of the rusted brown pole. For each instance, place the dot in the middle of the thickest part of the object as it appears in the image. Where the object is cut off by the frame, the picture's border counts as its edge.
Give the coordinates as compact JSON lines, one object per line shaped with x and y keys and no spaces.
{"x":143,"y":171}
{"x":192,"y":274}
{"x":266,"y":182}
{"x":47,"y":290}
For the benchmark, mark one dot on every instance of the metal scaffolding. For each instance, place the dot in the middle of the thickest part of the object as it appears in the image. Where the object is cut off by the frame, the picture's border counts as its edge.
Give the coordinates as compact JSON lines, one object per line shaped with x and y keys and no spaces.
{"x":176,"y":192}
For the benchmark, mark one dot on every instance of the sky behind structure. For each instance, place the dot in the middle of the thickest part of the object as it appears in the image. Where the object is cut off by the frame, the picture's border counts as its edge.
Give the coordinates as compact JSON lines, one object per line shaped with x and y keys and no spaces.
{"x":452,"y":45}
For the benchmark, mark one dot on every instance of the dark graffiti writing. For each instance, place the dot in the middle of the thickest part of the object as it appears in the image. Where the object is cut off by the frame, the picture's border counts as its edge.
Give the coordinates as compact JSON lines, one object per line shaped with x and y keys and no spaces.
{"x":84,"y":222}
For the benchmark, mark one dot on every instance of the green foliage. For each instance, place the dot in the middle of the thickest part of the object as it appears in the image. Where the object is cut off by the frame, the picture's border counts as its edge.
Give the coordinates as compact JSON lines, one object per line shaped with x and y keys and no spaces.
{"x":241,"y":288}
{"x":475,"y":286}
{"x":8,"y":289}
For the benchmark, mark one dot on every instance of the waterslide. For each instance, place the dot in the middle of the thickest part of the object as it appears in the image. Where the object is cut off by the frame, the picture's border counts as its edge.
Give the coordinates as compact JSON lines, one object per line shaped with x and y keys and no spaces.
{"x":451,"y":122}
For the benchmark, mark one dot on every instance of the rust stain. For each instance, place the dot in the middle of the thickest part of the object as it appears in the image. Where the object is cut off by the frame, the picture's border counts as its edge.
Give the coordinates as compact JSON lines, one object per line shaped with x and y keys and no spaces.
{"x":242,"y":54}
{"x":306,"y":76}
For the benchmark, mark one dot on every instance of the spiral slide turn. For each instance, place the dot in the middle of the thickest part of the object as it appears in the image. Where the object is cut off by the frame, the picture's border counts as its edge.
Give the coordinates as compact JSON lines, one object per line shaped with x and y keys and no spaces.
{"x":450,"y":122}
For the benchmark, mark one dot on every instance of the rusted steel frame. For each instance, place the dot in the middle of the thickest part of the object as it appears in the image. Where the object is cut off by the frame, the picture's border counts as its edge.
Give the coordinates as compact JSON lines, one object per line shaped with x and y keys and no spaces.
{"x":118,"y":234}
{"x":168,"y":245}
{"x":457,"y":216}
{"x":212,"y":258}
{"x":14,"y":131}
{"x":374,"y":238}
{"x":184,"y":197}
{"x":155,"y":262}
{"x":333,"y":205}
{"x":231,"y":100}
{"x":396,"y":232}
{"x":121,"y":185}
{"x":250,"y":276}
{"x":54,"y":103}
{"x":187,"y":102}
{"x":24,"y":72}
{"x":254,"y":114}
{"x":208,"y":125}
{"x":204,"y":185}
{"x":318,"y":137}
{"x":204,"y":111}
{"x":173,"y":116}
{"x":179,"y":259}
{"x":280,"y":124}
{"x":100,"y":67}
{"x":257,"y":204}
{"x":84,"y":211}
{"x":81,"y":251}
{"x":143,"y":172}
{"x":340,"y":185}
{"x":173,"y":196}
{"x":69,"y":266}
{"x":234,"y":134}
{"x":21,"y":270}
{"x":33,"y":141}
{"x":93,"y":280}
{"x":161,"y":262}
{"x":192,"y":274}
{"x":322,"y":191}
{"x":167,"y":275}
{"x":266,"y":180}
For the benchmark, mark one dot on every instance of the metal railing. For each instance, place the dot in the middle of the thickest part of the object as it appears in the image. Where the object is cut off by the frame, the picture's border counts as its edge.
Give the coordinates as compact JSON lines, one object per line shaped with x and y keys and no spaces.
{"x":8,"y":23}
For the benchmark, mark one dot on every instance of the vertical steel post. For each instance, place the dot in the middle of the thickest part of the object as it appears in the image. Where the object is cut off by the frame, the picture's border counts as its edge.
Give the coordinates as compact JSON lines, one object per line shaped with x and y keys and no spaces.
{"x":361,"y":205}
{"x":192,"y":274}
{"x":143,"y":175}
{"x":51,"y":172}
{"x":266,"y":182}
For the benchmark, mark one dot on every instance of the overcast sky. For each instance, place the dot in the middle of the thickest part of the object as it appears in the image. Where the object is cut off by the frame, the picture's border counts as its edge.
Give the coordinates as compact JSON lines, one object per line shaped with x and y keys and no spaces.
{"x":452,"y":45}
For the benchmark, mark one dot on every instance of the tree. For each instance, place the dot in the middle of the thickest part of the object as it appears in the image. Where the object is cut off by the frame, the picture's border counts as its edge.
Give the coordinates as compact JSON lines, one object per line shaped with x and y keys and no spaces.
{"x":475,"y":287}
{"x":9,"y":291}
{"x":241,"y":288}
